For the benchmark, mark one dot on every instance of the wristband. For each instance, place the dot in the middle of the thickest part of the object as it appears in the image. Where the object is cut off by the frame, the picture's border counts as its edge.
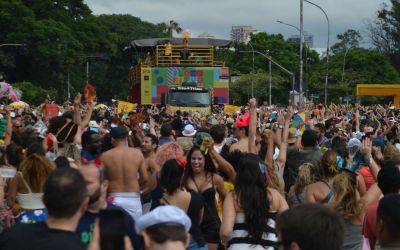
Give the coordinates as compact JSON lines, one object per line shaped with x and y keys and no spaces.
{"x":280,"y":126}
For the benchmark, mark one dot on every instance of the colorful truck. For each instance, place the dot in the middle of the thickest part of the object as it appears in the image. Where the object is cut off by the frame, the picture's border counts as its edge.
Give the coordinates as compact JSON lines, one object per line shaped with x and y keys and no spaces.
{"x":182,"y":74}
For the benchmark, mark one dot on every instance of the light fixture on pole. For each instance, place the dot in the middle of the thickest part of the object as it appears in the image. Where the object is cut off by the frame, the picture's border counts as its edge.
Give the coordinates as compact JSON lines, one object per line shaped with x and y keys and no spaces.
{"x":13,"y":44}
{"x":300,"y":57}
{"x":327,"y":49}
{"x":277,"y":64}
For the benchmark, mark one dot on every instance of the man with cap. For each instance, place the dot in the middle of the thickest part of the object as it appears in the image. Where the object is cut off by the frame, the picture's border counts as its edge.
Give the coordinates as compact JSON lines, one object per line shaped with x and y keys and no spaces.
{"x":166,"y":227}
{"x":241,"y":132}
{"x":124,"y":164}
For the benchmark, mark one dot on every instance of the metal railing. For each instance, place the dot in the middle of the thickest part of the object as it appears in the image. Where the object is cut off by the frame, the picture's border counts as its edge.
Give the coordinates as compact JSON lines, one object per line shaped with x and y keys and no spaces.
{"x":181,"y":55}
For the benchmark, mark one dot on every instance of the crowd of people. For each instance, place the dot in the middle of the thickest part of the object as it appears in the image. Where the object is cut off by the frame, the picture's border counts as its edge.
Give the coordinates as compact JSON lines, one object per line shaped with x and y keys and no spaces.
{"x":304,"y":177}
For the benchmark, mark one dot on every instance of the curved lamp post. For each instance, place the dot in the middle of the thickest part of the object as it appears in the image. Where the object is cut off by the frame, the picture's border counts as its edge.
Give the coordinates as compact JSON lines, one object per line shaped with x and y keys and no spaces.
{"x":327,"y":49}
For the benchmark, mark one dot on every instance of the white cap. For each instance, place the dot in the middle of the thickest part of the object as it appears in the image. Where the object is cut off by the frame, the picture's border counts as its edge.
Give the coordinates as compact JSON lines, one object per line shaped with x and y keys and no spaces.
{"x":93,"y":124}
{"x":163,"y":215}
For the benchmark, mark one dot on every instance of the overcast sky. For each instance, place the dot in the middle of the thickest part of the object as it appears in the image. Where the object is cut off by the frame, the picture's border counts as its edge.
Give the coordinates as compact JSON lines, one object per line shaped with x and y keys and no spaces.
{"x":217,"y":16}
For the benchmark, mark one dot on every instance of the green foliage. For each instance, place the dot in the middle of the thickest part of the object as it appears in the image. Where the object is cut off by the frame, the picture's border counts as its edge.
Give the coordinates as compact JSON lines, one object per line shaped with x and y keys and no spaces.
{"x":34,"y":95}
{"x":240,"y":90}
{"x":385,"y":32}
{"x":348,"y":40}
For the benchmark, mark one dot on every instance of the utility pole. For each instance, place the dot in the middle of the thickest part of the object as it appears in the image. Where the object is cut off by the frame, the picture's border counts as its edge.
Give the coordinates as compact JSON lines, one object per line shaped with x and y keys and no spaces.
{"x":301,"y":53}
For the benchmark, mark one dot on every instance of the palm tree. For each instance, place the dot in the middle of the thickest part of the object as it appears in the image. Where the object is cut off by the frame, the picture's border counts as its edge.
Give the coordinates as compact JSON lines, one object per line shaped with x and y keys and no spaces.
{"x":171,"y":27}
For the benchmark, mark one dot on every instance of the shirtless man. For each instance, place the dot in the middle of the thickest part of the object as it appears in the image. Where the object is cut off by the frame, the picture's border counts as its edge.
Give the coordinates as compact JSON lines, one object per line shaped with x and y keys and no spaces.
{"x":149,"y":147}
{"x":124,"y":164}
{"x":241,"y":132}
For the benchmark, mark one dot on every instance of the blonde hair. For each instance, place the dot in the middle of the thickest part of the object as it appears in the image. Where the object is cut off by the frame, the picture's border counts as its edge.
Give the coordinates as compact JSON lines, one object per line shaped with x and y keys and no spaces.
{"x":344,"y":200}
{"x":273,"y":179}
{"x":305,"y":177}
{"x":35,"y":170}
{"x":329,"y":163}
{"x":390,"y":151}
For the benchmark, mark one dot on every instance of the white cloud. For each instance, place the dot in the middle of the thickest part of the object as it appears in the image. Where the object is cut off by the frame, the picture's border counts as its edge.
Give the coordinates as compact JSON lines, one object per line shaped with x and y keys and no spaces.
{"x":217,"y":16}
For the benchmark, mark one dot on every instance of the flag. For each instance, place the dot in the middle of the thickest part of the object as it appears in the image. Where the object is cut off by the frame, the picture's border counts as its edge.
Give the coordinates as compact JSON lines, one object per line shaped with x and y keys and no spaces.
{"x":89,"y":93}
{"x":125,"y":107}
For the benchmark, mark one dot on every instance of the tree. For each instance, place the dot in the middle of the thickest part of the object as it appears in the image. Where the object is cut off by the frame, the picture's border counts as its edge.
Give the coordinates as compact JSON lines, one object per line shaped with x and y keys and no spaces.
{"x":34,"y":95}
{"x":385,"y":32}
{"x":349,"y":39}
{"x":171,"y":27}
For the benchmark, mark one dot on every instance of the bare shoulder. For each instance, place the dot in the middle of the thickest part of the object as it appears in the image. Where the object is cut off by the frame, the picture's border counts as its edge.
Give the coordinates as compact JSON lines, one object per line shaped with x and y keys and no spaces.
{"x":278,"y":202}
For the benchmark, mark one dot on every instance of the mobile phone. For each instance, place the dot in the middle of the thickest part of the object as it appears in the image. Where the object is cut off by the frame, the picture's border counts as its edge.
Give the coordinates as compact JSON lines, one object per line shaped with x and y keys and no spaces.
{"x":12,"y":114}
{"x":111,"y":229}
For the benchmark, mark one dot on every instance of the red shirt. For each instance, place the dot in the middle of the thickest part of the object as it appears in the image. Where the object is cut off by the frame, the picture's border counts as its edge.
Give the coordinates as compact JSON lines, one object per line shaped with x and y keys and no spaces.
{"x":367,"y":176}
{"x":369,"y":225}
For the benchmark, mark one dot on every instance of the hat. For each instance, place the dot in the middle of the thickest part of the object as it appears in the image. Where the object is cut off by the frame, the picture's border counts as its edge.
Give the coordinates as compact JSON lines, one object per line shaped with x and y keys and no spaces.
{"x":163,"y":216}
{"x":212,"y":121}
{"x":243,"y":121}
{"x":353,"y":145}
{"x":185,"y":142}
{"x":189,"y":131}
{"x":67,"y":132}
{"x":229,"y":120}
{"x":292,"y":135}
{"x":198,"y":140}
{"x":93,"y":124}
{"x":118,"y":133}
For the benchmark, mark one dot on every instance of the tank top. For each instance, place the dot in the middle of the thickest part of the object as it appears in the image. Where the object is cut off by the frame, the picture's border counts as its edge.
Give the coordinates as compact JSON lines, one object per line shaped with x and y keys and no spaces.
{"x":240,"y":240}
{"x":329,"y":195}
{"x":29,"y":201}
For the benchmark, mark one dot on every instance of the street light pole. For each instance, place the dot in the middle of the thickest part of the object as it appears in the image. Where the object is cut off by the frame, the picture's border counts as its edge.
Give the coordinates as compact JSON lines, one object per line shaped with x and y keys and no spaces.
{"x":252,"y":72}
{"x":301,"y":34}
{"x":301,"y":52}
{"x":327,"y":49}
{"x":270,"y":84}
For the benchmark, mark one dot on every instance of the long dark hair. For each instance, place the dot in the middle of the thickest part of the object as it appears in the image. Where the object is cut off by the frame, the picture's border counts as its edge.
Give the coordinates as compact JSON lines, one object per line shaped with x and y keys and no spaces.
{"x":252,"y":196}
{"x":209,"y":166}
{"x":171,"y":176}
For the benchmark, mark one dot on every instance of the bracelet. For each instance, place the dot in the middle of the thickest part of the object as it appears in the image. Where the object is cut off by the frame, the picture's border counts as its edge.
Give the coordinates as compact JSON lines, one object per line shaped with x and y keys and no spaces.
{"x":280,"y":126}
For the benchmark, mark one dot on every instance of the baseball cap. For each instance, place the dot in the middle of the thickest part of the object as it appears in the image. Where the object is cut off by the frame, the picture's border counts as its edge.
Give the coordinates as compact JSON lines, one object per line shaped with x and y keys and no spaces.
{"x":118,"y":133}
{"x":93,"y":124}
{"x":212,"y":121}
{"x":198,"y":139}
{"x":163,"y":216}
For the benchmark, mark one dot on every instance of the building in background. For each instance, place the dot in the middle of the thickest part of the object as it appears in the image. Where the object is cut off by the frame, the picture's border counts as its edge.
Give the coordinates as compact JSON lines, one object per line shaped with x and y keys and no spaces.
{"x":206,"y":35}
{"x":308,"y":40}
{"x":241,"y":33}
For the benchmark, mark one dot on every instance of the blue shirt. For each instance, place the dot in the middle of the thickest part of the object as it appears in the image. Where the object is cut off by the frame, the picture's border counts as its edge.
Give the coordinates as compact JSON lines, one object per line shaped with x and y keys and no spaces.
{"x":86,"y":226}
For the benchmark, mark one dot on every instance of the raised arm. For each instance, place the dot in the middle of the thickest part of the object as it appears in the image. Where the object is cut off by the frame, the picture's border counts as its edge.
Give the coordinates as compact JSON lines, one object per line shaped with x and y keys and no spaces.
{"x":223,"y":164}
{"x":252,"y":126}
{"x":77,"y":109}
{"x":8,"y":133}
{"x":283,"y":147}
